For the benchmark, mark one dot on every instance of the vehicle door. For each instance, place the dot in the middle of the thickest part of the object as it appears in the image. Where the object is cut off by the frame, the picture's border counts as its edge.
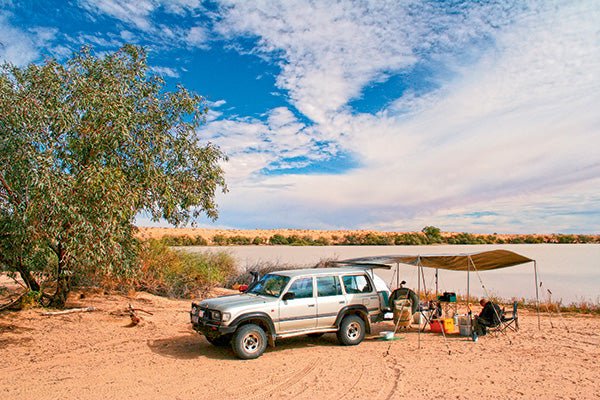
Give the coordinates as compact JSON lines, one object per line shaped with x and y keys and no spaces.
{"x":330,"y":300}
{"x":299,"y":312}
{"x":361,"y":290}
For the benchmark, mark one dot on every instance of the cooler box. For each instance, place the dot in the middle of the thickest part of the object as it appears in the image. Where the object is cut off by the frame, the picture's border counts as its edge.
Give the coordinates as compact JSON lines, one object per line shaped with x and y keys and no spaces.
{"x":447,"y":324}
{"x":435,"y":326}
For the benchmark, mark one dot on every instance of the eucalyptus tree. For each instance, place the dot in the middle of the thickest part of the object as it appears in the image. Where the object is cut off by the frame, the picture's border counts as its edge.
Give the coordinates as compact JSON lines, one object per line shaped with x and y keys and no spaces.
{"x":85,"y":146}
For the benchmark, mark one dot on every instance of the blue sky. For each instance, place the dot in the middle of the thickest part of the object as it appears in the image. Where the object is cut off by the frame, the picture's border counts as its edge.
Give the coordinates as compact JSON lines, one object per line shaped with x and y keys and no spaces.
{"x":479,"y":116}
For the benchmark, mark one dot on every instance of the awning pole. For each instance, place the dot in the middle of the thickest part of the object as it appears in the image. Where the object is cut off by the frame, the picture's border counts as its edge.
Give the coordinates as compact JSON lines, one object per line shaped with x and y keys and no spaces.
{"x":419,"y":297}
{"x":537,"y":296}
{"x":436,"y":283}
{"x":468,"y":283}
{"x":397,"y":275}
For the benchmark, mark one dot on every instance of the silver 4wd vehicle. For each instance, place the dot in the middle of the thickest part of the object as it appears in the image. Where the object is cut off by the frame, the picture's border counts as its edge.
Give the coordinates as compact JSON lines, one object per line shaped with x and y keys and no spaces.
{"x":291,"y":303}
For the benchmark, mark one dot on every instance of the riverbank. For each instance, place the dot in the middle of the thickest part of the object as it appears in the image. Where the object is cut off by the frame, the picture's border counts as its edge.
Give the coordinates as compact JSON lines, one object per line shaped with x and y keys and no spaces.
{"x":304,"y":237}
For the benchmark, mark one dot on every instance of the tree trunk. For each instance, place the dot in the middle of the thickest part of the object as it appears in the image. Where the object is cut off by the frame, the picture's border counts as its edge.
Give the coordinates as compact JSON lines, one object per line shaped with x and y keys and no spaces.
{"x":62,"y":280}
{"x":29,"y":280}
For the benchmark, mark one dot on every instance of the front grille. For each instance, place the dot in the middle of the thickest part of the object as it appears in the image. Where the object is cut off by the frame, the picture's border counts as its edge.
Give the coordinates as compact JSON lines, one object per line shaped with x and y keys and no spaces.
{"x":206,"y":314}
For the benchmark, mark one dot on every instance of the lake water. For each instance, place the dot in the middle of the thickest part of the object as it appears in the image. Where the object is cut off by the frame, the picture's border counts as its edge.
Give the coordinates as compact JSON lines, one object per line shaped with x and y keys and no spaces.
{"x":571,"y":272}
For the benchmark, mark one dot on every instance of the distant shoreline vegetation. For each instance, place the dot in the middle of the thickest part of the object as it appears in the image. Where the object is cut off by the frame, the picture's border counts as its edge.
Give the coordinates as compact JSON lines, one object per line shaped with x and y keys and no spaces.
{"x":429,"y":235}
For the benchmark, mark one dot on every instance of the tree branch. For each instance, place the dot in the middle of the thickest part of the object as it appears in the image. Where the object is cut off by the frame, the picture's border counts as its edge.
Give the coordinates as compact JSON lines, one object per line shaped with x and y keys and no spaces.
{"x":69,"y":311}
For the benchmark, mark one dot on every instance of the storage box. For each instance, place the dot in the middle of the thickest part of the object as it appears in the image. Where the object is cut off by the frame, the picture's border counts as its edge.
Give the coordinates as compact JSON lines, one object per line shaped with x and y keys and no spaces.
{"x":448,"y":297}
{"x":437,"y":325}
{"x":448,"y":325}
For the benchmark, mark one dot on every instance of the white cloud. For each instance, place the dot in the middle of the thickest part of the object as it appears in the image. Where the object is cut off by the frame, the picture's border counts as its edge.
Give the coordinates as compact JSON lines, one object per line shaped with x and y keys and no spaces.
{"x":135,"y":12}
{"x":165,"y":71}
{"x":331,"y":50}
{"x":514,"y":132}
{"x":22,"y":47}
{"x":196,"y":36}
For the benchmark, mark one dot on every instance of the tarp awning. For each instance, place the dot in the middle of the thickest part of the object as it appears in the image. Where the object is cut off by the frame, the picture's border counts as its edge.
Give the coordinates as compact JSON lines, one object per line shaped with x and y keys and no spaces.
{"x":481,"y":261}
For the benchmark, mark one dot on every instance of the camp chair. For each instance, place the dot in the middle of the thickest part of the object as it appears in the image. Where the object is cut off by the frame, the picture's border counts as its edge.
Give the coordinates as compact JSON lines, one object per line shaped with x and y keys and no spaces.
{"x":508,"y":321}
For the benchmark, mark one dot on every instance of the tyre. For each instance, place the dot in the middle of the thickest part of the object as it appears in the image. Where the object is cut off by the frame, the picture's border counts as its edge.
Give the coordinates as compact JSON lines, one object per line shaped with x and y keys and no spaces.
{"x":219,"y":341}
{"x":249,"y":342}
{"x":352,"y":330}
{"x":405,"y":293}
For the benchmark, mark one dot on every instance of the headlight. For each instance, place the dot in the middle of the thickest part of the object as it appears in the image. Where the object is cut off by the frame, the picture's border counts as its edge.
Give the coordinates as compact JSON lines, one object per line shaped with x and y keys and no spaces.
{"x":226,"y":317}
{"x":194,"y":309}
{"x":216,"y":315}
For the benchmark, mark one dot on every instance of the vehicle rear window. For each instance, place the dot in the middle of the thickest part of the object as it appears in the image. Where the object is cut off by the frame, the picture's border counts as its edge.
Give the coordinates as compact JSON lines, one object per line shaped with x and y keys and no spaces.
{"x":302,"y":288}
{"x":328,"y":286}
{"x":357,"y":284}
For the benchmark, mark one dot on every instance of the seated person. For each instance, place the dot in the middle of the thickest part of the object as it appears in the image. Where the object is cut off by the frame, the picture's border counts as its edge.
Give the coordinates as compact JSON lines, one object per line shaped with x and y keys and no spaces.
{"x":489,"y":316}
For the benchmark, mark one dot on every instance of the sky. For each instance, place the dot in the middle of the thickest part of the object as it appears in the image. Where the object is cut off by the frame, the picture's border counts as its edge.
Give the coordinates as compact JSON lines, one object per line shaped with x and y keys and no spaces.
{"x":478,"y":116}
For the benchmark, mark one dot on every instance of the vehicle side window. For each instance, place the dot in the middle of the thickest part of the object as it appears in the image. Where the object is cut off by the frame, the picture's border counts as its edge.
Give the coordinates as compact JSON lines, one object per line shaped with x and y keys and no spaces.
{"x":357,"y":284}
{"x":328,"y":286}
{"x":302,"y":288}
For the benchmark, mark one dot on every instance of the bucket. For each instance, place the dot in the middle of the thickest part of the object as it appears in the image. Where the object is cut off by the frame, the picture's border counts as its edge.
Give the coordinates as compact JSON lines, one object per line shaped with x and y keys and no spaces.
{"x":464,"y":330}
{"x":387,"y":335}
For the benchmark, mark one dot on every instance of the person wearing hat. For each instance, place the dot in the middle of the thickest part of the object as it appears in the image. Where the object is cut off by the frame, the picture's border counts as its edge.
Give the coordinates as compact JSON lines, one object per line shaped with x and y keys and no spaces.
{"x":489,"y":317}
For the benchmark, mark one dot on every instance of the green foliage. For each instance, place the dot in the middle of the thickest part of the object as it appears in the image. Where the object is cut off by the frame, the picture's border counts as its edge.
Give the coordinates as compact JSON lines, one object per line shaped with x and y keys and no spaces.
{"x":278,"y":239}
{"x":433,"y":234}
{"x":566,"y":239}
{"x":410,"y":239}
{"x":466,"y":238}
{"x":84,"y":147}
{"x":171,"y":240}
{"x":239,"y":240}
{"x":31,"y":299}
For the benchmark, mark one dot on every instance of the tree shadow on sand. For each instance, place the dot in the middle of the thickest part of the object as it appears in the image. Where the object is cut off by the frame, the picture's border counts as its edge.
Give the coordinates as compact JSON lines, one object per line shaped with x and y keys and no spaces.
{"x":13,"y":334}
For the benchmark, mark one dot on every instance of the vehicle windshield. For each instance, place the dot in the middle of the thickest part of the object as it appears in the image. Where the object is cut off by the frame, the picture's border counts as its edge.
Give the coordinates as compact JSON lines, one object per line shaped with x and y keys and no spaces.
{"x":270,"y":285}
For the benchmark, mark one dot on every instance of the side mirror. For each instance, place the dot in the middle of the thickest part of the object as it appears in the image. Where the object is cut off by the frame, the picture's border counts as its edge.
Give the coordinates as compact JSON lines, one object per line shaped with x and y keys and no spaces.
{"x":289,"y":296}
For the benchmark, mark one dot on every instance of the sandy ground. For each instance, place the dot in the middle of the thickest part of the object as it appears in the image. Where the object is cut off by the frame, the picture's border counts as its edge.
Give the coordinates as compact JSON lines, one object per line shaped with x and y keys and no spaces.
{"x":98,"y":355}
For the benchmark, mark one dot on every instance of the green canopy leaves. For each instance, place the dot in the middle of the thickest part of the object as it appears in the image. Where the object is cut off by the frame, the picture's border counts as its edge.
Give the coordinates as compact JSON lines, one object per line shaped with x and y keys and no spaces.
{"x":87,"y":145}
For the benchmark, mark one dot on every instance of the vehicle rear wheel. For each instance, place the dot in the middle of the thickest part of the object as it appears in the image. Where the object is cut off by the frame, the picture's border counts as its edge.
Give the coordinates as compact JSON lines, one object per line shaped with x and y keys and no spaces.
{"x":249,"y":342}
{"x":352,"y":330}
{"x":219,"y":341}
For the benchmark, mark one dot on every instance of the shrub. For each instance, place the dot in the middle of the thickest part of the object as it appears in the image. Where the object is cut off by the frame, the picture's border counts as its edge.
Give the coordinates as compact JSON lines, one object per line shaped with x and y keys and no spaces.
{"x":167,"y":272}
{"x":263,"y":267}
{"x":239,"y":240}
{"x":220,"y":240}
{"x":278,"y":239}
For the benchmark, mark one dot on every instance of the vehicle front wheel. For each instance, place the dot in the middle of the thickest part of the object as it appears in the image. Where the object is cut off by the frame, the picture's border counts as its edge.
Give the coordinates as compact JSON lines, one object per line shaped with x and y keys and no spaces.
{"x":219,"y":341}
{"x":249,"y":342}
{"x":352,"y":330}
